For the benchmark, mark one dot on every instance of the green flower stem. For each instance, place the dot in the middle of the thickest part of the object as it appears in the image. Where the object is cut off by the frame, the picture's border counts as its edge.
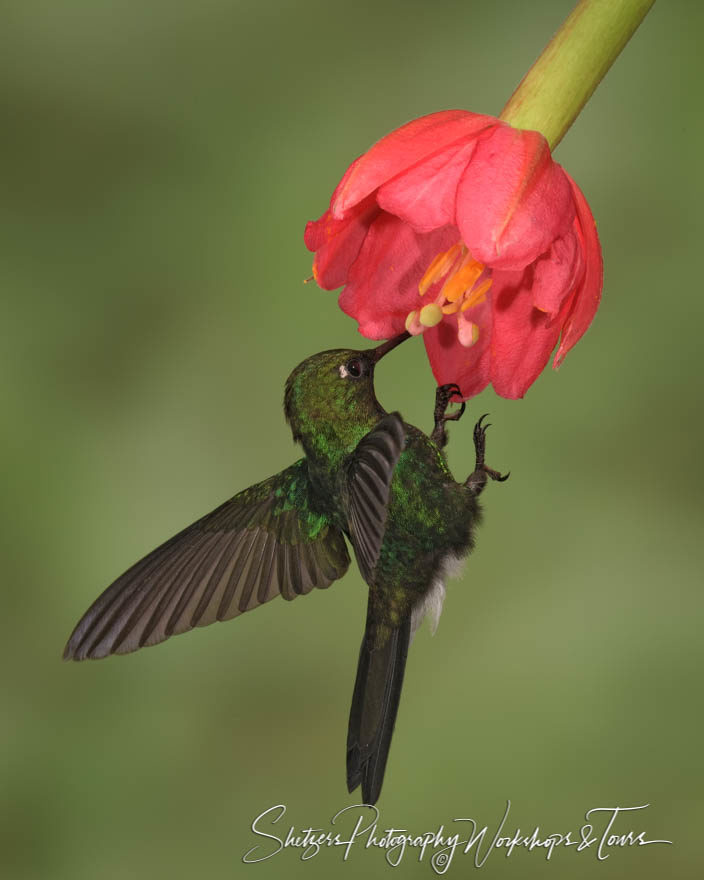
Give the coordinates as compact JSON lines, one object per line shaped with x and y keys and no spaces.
{"x":551,"y":95}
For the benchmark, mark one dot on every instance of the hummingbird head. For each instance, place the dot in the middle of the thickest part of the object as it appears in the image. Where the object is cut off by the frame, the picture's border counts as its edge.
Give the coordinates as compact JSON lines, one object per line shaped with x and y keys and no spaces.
{"x":329,"y":397}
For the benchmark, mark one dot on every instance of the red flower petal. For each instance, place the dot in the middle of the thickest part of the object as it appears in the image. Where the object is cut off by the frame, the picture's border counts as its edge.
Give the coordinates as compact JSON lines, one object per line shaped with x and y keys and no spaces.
{"x":512,"y":200}
{"x":452,"y":362}
{"x":586,"y":299}
{"x":523,"y":336}
{"x":337,"y":242}
{"x":556,"y":273}
{"x":382,"y":285}
{"x":425,"y":195}
{"x":403,"y":148}
{"x":458,"y":176}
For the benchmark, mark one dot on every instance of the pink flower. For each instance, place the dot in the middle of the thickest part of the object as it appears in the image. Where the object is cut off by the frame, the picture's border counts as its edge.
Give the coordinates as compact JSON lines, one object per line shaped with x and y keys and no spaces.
{"x":464,"y":229}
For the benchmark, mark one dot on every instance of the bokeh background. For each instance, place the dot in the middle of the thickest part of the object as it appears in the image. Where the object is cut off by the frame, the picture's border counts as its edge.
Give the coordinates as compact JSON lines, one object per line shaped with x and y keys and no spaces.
{"x":160,"y":160}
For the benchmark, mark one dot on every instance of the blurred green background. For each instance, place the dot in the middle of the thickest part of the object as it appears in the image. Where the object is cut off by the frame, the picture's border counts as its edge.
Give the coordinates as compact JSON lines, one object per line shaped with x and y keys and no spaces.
{"x":160,"y":160}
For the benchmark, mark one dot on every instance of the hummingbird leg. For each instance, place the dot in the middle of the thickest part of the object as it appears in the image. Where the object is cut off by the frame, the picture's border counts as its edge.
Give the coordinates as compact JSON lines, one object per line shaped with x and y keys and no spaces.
{"x":476,"y":481}
{"x":443,"y":397}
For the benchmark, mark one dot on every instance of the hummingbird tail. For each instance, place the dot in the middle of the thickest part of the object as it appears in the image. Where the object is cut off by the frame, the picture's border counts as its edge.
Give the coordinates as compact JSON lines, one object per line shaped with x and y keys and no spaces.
{"x":377,"y":691}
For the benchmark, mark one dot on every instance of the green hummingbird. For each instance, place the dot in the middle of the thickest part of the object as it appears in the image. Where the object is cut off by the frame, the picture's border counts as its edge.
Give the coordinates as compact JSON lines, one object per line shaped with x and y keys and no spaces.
{"x":368,"y":476}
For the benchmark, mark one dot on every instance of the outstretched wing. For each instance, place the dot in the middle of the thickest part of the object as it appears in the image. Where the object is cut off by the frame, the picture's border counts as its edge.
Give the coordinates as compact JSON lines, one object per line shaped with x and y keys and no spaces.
{"x":369,"y":476}
{"x":263,"y":542}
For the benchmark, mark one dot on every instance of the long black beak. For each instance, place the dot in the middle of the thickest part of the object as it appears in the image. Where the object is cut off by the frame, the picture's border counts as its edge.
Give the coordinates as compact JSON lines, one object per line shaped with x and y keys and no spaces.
{"x":376,"y":354}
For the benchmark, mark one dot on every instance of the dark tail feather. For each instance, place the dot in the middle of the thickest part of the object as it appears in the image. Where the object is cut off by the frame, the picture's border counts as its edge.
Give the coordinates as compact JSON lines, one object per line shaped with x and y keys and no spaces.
{"x":377,"y":691}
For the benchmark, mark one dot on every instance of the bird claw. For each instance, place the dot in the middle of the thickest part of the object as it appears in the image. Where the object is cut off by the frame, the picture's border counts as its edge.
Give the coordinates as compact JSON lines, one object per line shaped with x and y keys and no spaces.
{"x":477,"y":480}
{"x":443,"y":398}
{"x":479,"y":428}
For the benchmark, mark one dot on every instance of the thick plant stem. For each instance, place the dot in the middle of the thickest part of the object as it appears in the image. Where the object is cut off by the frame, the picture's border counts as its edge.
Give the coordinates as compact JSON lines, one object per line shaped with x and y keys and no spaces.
{"x":551,"y":95}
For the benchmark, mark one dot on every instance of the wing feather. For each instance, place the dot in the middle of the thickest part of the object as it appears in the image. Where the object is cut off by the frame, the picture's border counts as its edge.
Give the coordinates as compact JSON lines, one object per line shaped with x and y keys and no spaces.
{"x":369,"y":477}
{"x":267,"y":541}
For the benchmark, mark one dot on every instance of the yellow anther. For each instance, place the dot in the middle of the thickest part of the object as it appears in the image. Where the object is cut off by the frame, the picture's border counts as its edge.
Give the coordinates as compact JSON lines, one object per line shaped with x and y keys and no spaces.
{"x":477,"y":296}
{"x":457,"y":294}
{"x":439,"y":266}
{"x":462,"y":280}
{"x":467,"y":332}
{"x":430,"y":315}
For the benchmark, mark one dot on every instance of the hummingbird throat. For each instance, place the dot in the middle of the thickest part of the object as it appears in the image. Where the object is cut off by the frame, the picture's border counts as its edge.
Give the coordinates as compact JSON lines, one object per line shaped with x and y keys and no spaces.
{"x":467,"y":282}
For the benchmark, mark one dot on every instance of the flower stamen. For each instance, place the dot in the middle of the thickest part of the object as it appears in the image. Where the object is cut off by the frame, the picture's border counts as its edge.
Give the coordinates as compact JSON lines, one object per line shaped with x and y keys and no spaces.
{"x":467,"y":332}
{"x":462,"y":280}
{"x":466,"y":284}
{"x":413,"y":325}
{"x":430,"y":315}
{"x":476,"y":295}
{"x":440,"y":265}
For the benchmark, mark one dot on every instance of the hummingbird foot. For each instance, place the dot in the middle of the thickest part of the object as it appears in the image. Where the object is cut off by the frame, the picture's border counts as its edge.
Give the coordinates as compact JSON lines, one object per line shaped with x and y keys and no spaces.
{"x":443,"y":398}
{"x":476,"y":481}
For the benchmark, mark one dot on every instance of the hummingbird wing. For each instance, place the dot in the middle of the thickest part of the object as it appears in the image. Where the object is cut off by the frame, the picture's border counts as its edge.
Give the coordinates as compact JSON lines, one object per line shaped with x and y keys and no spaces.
{"x":382,"y":657}
{"x":267,"y":540}
{"x":369,"y":476}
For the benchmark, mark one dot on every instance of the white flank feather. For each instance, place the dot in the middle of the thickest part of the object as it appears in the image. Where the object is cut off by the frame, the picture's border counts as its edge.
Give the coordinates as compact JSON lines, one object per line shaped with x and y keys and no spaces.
{"x":431,"y":604}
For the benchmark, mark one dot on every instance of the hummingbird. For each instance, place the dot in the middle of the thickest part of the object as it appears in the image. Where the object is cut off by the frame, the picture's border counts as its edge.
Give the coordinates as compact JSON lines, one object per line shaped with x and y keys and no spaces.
{"x":366,"y":477}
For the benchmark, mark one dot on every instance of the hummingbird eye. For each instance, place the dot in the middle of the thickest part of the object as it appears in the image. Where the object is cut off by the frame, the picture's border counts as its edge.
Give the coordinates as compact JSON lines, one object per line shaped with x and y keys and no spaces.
{"x":355,"y":368}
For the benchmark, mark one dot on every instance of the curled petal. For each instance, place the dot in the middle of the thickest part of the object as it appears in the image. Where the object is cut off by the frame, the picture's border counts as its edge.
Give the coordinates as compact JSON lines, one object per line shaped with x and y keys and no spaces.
{"x":587,"y":296}
{"x":556,"y":273}
{"x":452,"y":362}
{"x":337,"y":242}
{"x":513,"y":201}
{"x":382,"y":284}
{"x":425,"y":195}
{"x":403,"y":148}
{"x":523,"y":336}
